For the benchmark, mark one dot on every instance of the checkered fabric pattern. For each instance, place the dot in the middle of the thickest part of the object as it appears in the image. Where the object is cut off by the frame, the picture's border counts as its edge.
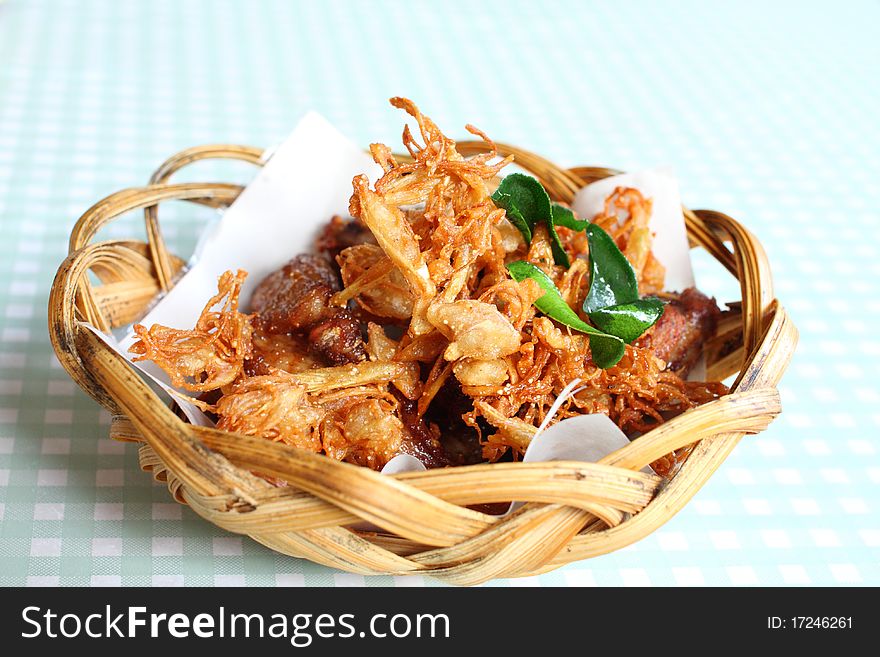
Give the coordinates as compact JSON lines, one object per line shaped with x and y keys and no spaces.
{"x":767,"y":111}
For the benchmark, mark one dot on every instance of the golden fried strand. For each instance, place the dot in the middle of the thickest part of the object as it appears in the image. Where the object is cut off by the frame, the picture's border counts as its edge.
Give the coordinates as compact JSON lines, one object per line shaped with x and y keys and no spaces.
{"x":212,"y":354}
{"x":372,"y":279}
{"x":394,"y":234}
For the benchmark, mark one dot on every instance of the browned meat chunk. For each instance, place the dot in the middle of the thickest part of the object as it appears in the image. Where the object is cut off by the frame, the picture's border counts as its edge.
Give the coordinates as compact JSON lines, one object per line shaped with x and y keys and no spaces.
{"x":338,"y":339}
{"x":460,"y":441}
{"x":422,"y":442}
{"x":687,"y":322}
{"x":296,"y":296}
{"x":279,"y":351}
{"x":339,"y":234}
{"x":296,"y":299}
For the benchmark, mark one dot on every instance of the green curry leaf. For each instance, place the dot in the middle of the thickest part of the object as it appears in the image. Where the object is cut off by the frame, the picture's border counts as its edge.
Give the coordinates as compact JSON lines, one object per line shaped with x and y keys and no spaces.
{"x":628,"y":320}
{"x":514,"y":215}
{"x":562,"y":216}
{"x":612,"y":302}
{"x":606,"y":349}
{"x":612,"y":278}
{"x":526,"y":202}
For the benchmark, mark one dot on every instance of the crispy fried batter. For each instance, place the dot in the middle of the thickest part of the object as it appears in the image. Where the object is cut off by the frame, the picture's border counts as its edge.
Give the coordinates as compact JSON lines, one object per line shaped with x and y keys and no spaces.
{"x":636,"y":393}
{"x":360,"y":424}
{"x":366,"y":432}
{"x":212,"y":354}
{"x":475,"y":329}
{"x":272,"y":406}
{"x":437,"y":253}
{"x":371,"y":279}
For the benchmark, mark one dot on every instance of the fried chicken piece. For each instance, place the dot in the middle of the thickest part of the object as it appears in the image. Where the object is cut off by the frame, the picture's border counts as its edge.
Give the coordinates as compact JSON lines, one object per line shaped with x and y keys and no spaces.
{"x":296,"y":296}
{"x":338,"y":339}
{"x":278,"y":351}
{"x":296,"y":299}
{"x":686,"y":323}
{"x":339,"y":234}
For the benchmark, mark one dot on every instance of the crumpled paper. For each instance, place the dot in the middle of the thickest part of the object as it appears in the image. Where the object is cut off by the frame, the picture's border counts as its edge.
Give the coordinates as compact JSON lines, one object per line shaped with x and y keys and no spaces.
{"x":305,"y":181}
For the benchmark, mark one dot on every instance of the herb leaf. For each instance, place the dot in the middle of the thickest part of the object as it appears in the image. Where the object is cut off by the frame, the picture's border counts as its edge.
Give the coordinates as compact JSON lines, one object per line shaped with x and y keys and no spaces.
{"x":628,"y":320}
{"x":562,"y":216}
{"x":612,"y":278}
{"x":526,"y":202}
{"x":514,"y":215}
{"x":606,"y":349}
{"x":612,"y":302}
{"x":560,"y":257}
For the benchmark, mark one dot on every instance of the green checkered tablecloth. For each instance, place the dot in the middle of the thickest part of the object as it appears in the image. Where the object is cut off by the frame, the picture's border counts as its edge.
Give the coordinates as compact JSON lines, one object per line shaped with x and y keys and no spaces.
{"x":767,"y":111}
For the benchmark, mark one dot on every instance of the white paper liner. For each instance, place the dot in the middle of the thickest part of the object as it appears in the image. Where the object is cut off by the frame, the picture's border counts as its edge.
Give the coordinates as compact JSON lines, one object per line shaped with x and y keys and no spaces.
{"x":403,"y":463}
{"x":305,"y":181}
{"x":278,"y":215}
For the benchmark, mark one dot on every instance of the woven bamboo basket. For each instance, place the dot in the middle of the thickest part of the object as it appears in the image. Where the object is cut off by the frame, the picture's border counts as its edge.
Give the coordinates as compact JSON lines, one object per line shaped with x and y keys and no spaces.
{"x":422,"y":523}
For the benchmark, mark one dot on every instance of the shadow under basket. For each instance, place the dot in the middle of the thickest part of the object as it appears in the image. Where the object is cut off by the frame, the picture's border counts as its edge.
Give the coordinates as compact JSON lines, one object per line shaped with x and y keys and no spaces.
{"x":422,"y":523}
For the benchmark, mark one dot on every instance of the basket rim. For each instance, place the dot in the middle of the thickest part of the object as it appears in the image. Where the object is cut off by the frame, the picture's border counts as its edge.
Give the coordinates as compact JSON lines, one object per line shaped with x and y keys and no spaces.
{"x":199,"y":465}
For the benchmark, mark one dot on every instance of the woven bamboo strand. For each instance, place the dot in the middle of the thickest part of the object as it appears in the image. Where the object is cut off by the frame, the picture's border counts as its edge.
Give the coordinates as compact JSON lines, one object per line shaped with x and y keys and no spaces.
{"x":561,"y":482}
{"x":137,"y":198}
{"x":709,"y":453}
{"x":586,"y":486}
{"x":116,"y":376}
{"x":355,"y":491}
{"x":162,"y":260}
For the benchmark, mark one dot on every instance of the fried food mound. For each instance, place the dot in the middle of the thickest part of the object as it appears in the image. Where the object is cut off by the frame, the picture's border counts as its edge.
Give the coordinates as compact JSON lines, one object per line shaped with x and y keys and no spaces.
{"x":404,"y":332}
